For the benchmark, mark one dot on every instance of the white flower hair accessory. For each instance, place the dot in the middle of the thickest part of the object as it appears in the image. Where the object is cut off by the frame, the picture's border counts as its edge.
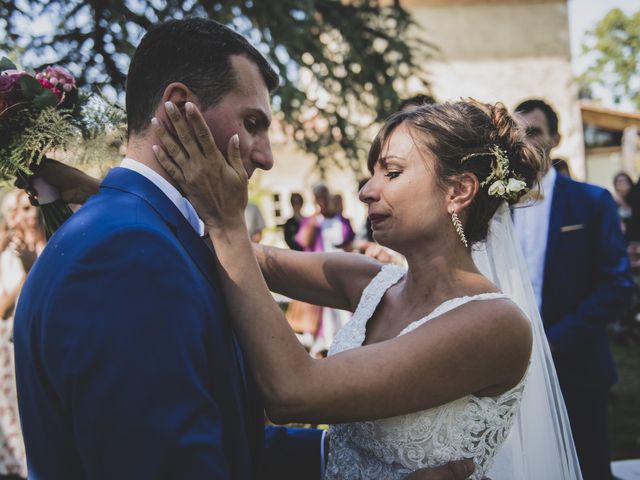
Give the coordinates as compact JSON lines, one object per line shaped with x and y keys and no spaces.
{"x":502,"y":182}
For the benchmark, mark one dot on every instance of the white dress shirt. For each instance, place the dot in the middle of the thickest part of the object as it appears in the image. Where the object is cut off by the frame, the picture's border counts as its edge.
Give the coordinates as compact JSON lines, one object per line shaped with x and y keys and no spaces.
{"x":532,"y":229}
{"x":185,"y":207}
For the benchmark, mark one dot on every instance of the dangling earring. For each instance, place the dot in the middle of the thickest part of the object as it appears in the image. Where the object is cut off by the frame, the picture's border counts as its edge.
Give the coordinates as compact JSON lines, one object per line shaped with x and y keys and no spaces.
{"x":458,"y":226}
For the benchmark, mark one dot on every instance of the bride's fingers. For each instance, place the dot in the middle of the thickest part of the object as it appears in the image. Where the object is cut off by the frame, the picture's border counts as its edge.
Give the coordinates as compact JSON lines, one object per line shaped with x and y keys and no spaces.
{"x":234,"y":159}
{"x":202,"y":133}
{"x":172,"y":148}
{"x":171,"y":168}
{"x":183,"y":132}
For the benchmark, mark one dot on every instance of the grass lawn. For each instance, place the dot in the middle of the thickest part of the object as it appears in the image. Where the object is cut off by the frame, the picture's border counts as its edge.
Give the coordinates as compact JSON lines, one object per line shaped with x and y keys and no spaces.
{"x":624,"y":406}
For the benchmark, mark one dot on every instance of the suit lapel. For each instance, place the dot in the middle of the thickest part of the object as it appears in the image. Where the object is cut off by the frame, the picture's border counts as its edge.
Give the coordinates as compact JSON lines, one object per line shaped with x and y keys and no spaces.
{"x":132,"y":182}
{"x":556,"y":219}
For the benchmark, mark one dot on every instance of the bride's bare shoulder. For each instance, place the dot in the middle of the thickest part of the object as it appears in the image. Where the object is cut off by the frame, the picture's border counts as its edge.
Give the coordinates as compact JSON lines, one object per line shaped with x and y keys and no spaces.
{"x":500,"y":318}
{"x":502,"y":326}
{"x":496,"y":331}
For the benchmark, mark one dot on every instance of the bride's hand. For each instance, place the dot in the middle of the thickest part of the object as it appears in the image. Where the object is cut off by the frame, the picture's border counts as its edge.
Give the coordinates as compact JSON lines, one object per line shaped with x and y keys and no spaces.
{"x":215,"y":185}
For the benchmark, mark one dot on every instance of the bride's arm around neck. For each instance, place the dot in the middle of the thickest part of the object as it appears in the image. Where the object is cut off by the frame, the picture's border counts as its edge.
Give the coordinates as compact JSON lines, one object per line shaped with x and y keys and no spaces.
{"x":476,"y":348}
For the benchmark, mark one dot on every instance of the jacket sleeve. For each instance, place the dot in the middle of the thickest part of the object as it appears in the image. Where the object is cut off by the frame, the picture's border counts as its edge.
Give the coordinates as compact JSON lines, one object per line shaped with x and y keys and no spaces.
{"x":129,"y":358}
{"x":293,"y":453}
{"x":614,"y":286}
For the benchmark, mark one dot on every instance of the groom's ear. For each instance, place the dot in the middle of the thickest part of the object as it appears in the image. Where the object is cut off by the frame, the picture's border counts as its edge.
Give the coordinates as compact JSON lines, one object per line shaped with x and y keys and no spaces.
{"x":463,"y":190}
{"x":177,"y":93}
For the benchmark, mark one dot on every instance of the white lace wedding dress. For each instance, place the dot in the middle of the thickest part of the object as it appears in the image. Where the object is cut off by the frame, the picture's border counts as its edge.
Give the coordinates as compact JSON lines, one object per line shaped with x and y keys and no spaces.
{"x":391,"y":448}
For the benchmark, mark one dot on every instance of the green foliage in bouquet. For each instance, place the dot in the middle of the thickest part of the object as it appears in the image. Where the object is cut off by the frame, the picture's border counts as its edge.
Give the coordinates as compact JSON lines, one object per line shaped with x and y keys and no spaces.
{"x":45,"y":112}
{"x":44,"y":131}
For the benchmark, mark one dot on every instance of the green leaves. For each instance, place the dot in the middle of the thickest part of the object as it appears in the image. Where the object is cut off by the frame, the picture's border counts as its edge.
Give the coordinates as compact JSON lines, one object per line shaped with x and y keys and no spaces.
{"x":614,"y":47}
{"x":6,"y":64}
{"x":46,"y":98}
{"x":30,"y":87}
{"x":32,"y":90}
{"x":344,"y":65}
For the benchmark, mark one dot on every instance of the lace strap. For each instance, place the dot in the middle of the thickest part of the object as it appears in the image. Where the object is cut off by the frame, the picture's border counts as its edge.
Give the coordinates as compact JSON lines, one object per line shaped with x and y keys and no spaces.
{"x":449,"y":305}
{"x":388,"y":276}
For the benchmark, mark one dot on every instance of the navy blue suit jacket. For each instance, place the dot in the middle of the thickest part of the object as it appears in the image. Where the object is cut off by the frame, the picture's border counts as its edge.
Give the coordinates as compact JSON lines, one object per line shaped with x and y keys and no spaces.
{"x":127,"y":365}
{"x":587,"y":282}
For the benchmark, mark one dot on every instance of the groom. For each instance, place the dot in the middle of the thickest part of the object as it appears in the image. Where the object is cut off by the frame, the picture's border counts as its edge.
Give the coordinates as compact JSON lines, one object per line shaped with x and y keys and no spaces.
{"x":127,"y":366}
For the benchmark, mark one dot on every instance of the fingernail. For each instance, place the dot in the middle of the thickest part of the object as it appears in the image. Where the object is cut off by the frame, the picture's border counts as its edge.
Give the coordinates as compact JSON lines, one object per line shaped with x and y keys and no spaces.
{"x":189,"y":107}
{"x":236,"y":140}
{"x":169,"y":106}
{"x":154,"y":122}
{"x":155,"y":148}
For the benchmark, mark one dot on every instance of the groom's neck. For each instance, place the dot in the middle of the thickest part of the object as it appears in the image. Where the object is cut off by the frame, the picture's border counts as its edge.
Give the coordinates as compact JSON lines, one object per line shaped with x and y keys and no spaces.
{"x":139,"y":149}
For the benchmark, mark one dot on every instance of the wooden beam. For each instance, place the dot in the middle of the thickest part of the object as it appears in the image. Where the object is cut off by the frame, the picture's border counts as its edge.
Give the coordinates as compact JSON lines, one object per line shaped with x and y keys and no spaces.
{"x":606,"y":118}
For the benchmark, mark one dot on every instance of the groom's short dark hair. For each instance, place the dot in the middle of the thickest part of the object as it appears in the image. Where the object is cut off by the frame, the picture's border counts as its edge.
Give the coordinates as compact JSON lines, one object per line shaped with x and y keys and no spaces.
{"x":194,"y":51}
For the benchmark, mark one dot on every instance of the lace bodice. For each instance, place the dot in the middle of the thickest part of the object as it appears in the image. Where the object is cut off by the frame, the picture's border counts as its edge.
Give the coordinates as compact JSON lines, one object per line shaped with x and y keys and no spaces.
{"x":391,"y":448}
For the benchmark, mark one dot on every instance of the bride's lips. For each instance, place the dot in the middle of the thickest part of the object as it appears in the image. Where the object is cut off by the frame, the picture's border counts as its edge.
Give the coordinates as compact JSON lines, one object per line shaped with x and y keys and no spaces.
{"x":376,"y":219}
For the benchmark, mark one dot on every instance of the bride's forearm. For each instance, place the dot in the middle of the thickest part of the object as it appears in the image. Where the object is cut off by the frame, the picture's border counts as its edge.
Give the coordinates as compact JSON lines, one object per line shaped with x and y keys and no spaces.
{"x":316,"y":278}
{"x":278,"y":360}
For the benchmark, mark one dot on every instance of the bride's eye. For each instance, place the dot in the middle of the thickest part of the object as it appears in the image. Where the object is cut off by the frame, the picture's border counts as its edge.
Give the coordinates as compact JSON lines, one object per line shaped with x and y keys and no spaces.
{"x":392,"y":175}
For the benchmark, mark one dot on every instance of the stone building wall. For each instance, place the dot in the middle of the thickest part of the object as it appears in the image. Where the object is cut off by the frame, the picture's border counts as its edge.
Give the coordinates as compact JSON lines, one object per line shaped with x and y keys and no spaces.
{"x":491,"y":50}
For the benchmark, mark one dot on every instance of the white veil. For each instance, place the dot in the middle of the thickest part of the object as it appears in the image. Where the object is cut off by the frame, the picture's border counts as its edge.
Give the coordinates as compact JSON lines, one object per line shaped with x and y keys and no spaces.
{"x":540,"y":445}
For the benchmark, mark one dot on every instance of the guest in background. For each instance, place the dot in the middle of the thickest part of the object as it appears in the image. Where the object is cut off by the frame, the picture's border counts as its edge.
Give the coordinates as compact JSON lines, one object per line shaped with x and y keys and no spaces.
{"x":326,"y":231}
{"x":292,"y":225}
{"x":579,"y":268}
{"x":561,"y":166}
{"x":255,"y":222}
{"x":623,"y":187}
{"x":337,"y":204}
{"x":11,"y":270}
{"x":22,"y":241}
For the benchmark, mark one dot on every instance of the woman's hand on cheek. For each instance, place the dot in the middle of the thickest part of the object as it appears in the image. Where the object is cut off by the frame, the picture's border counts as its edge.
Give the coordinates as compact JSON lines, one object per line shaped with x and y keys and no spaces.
{"x":215,"y":185}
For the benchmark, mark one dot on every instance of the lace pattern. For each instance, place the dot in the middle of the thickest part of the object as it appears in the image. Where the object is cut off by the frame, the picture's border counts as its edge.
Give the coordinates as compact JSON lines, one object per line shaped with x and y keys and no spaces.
{"x":391,"y":448}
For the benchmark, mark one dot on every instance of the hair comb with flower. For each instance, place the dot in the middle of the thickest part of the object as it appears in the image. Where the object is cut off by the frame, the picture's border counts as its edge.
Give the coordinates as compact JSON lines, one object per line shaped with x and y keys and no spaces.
{"x":502,"y":182}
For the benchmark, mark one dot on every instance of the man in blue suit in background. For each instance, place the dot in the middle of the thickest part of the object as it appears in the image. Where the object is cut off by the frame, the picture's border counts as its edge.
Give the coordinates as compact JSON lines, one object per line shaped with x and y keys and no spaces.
{"x":127,"y":366}
{"x":578,"y":263}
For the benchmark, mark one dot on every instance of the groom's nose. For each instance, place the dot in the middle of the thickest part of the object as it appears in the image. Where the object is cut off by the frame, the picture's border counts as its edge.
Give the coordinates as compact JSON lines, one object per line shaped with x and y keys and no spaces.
{"x":262,"y":157}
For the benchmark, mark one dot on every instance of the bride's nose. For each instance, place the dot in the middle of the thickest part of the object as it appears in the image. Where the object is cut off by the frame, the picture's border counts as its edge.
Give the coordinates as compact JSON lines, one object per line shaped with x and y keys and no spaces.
{"x":369,"y":192}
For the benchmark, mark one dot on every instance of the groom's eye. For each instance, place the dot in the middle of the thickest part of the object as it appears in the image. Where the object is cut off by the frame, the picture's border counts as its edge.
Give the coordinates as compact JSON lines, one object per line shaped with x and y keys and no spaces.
{"x":251,"y":125}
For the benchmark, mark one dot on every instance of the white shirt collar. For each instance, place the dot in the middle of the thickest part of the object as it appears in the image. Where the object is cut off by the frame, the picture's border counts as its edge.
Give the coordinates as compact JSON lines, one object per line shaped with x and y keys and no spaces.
{"x":172,"y":193}
{"x":532,"y":231}
{"x":548,"y":182}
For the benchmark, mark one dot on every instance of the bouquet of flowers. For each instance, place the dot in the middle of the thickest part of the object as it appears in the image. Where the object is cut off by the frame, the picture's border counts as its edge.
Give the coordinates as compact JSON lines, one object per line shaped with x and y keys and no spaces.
{"x":39,"y":113}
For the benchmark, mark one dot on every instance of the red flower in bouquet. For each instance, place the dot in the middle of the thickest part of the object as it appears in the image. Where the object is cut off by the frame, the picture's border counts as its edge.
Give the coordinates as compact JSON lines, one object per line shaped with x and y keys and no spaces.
{"x":58,"y":80}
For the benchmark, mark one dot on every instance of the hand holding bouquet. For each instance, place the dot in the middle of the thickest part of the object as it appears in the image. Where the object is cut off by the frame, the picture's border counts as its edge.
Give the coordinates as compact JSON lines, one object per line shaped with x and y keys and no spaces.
{"x":38,"y":113}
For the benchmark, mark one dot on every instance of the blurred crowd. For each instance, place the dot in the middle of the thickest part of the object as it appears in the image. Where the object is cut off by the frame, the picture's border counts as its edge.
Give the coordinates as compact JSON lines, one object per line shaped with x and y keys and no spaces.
{"x":22,"y":239}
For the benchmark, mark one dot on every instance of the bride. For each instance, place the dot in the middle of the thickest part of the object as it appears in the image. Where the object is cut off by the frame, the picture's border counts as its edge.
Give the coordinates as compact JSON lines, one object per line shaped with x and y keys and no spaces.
{"x":437,"y":352}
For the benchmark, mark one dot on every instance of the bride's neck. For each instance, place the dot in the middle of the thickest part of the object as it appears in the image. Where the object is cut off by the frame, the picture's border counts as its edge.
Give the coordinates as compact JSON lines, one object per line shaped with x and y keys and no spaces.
{"x":439,"y":273}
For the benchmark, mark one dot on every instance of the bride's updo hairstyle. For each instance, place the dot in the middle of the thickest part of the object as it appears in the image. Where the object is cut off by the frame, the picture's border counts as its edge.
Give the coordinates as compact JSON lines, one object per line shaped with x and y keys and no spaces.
{"x":467,"y":137}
